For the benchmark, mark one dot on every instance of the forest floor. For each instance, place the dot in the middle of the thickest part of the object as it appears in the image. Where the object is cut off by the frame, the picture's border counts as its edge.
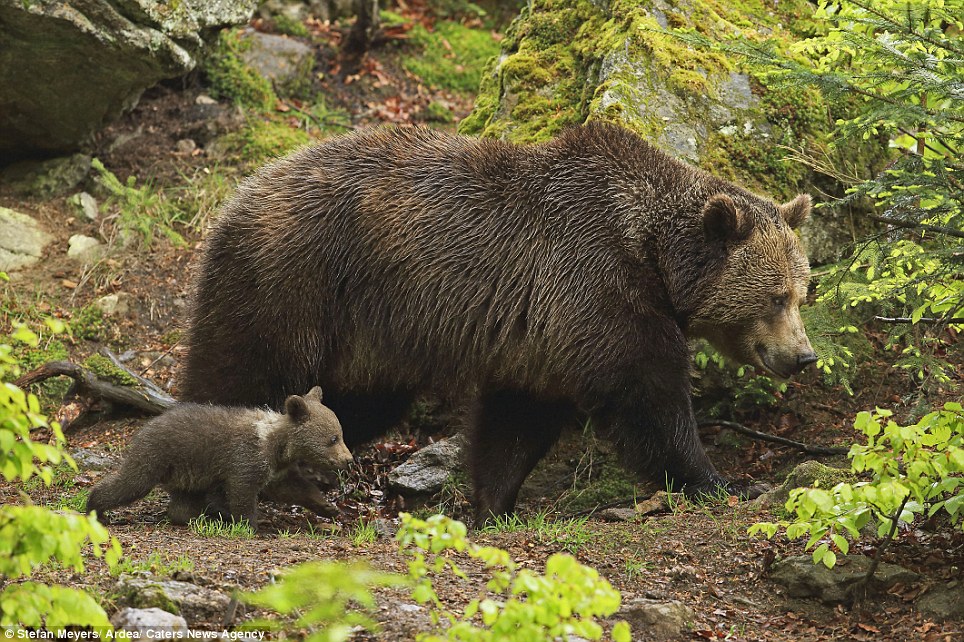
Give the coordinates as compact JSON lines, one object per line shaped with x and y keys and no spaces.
{"x":697,"y":553}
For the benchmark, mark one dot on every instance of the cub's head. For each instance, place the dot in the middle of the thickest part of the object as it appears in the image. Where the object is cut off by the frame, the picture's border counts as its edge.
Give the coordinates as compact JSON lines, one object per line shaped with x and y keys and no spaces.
{"x":315,"y":435}
{"x":752,"y":310}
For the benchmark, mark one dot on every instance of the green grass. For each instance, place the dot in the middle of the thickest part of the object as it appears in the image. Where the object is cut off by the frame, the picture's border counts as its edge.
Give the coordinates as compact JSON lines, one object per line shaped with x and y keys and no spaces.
{"x":364,"y":532}
{"x":208,"y":527}
{"x":571,"y":534}
{"x":156,"y":563}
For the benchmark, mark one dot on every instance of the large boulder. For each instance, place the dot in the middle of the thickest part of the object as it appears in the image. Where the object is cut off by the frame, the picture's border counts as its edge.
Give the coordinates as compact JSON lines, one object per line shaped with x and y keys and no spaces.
{"x":565,"y":62}
{"x":67,"y":68}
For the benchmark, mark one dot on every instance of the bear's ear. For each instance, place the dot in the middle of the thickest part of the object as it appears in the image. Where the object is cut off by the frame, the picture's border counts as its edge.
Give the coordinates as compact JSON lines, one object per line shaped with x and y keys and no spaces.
{"x":296,"y":408}
{"x":796,"y":211}
{"x":316,"y":393}
{"x":723,"y":221}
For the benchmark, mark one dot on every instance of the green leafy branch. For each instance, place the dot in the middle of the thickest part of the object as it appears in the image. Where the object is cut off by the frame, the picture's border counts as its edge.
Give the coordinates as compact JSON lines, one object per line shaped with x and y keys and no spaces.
{"x":914,"y":470}
{"x":523,"y":605}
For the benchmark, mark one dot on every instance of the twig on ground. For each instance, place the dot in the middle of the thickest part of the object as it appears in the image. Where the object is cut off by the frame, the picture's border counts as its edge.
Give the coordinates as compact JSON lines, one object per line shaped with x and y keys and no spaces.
{"x":807,"y":448}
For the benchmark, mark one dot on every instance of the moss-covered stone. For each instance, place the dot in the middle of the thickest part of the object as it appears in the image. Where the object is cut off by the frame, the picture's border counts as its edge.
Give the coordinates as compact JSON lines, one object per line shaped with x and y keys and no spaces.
{"x":565,"y":62}
{"x":807,"y":475}
{"x":229,"y":76}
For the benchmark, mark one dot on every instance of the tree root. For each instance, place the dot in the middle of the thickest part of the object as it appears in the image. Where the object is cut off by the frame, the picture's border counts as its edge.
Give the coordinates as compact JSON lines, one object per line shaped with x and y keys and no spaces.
{"x":807,"y":448}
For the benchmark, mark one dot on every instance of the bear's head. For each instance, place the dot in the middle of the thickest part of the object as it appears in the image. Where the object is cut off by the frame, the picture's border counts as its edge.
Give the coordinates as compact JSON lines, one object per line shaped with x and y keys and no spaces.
{"x":315,"y":434}
{"x":751,"y":312}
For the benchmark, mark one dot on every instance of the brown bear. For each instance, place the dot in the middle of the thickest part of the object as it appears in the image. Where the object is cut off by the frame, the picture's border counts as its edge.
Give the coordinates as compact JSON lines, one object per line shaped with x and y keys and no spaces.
{"x":546,"y":282}
{"x":215,"y":460}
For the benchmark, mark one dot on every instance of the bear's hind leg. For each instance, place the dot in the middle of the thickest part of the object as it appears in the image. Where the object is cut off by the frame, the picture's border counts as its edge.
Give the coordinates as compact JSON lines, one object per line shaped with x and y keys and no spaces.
{"x":511,"y":431}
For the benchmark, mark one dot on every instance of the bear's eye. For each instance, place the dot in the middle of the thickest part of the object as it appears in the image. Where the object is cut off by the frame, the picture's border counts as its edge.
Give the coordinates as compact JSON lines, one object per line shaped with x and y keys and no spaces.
{"x":334,"y":440}
{"x":779,"y":302}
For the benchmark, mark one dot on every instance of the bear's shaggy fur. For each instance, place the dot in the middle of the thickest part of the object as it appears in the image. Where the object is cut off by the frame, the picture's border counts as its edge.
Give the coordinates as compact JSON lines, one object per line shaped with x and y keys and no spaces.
{"x":548,"y":282}
{"x":216,"y":460}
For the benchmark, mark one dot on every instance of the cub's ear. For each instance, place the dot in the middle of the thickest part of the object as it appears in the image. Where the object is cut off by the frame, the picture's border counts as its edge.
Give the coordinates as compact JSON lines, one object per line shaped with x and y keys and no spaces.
{"x":316,"y":393}
{"x":723,"y":221}
{"x":296,"y":408}
{"x":796,"y":211}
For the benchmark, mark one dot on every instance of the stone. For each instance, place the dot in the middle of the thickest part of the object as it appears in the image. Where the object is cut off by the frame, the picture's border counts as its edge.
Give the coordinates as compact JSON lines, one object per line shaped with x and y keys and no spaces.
{"x":91,"y":459}
{"x":660,"y":620}
{"x":46,"y":178}
{"x":805,"y":475}
{"x":69,"y":68}
{"x":150,"y":623}
{"x":22,"y":240}
{"x":195,"y":603}
{"x":944,"y":601}
{"x":111,"y":305}
{"x":185,"y":146}
{"x":427,"y":470}
{"x":802,"y":578}
{"x":617,"y":514}
{"x":298,"y":10}
{"x":85,"y":249}
{"x":85,"y":204}
{"x":287,"y":63}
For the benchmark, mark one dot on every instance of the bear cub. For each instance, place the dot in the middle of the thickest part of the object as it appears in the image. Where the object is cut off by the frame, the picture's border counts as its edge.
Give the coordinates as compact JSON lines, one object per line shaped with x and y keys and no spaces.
{"x":216,"y":460}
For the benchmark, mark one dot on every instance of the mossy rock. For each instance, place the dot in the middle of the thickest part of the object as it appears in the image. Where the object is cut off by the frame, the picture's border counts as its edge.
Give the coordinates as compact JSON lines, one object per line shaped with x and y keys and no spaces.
{"x":566,"y":62}
{"x":806,"y":475}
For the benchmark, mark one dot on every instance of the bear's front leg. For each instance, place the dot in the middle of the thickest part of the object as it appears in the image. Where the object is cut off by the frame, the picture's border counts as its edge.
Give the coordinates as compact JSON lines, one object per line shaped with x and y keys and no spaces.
{"x":645,"y":407}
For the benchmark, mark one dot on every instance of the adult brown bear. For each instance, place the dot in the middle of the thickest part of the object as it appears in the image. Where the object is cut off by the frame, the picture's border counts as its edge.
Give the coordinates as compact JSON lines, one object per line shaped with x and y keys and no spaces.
{"x":547,"y":282}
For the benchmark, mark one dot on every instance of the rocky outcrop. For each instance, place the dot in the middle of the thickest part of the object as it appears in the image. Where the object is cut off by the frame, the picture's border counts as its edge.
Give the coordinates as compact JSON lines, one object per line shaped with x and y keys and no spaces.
{"x":565,"y":63}
{"x":67,"y":68}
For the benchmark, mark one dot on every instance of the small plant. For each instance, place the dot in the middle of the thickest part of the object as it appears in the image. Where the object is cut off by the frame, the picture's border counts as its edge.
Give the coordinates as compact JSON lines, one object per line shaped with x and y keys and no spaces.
{"x":365,"y":532}
{"x":209,"y":527}
{"x":32,"y":536}
{"x":521,"y":604}
{"x":156,"y":563}
{"x":143,"y":209}
{"x":916,"y":469}
{"x":452,"y":56}
{"x":634,"y":567}
{"x":317,"y":595}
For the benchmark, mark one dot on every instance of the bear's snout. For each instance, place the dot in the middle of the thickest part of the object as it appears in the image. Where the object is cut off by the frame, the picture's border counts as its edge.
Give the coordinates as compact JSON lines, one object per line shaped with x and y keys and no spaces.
{"x":805,"y":359}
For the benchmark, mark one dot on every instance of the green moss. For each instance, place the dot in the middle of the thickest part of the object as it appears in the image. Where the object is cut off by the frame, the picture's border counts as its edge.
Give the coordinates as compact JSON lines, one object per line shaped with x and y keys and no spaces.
{"x":265,"y":138}
{"x":88,"y":323}
{"x":290,"y":26}
{"x":438,"y":112}
{"x":104,"y":369}
{"x":451,"y":57}
{"x":229,"y":77}
{"x":51,"y":391}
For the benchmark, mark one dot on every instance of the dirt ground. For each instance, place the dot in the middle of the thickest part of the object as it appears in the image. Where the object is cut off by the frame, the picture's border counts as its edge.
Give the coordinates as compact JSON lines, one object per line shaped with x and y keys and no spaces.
{"x":698,"y":554}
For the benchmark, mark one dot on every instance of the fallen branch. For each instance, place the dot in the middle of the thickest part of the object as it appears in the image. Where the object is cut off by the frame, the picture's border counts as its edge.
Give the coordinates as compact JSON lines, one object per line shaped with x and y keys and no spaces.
{"x":144,"y":396}
{"x":807,"y":448}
